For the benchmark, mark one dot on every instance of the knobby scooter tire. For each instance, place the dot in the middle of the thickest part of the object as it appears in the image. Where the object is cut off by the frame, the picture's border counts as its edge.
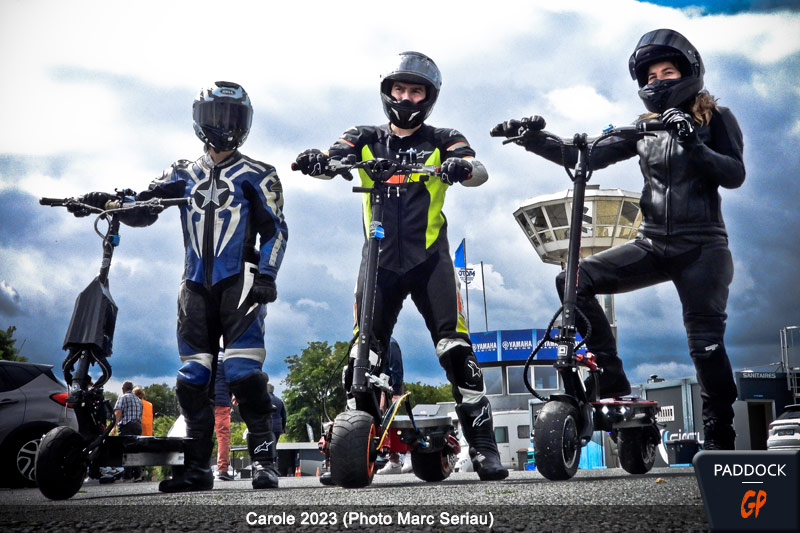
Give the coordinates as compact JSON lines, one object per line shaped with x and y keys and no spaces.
{"x":353,"y":449}
{"x":432,"y":467}
{"x":60,"y":465}
{"x":637,"y":448}
{"x":556,"y":441}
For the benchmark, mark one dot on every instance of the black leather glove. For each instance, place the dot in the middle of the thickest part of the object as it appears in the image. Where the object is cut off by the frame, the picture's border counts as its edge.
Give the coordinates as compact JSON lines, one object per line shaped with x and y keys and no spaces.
{"x":456,"y":170}
{"x":94,"y":199}
{"x":264,"y":290}
{"x":682,"y":123}
{"x":312,"y":162}
{"x":515,"y":128}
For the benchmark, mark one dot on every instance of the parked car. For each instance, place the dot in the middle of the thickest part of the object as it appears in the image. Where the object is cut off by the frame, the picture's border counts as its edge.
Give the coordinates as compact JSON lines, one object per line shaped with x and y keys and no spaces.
{"x":784,"y":431}
{"x":32,"y":402}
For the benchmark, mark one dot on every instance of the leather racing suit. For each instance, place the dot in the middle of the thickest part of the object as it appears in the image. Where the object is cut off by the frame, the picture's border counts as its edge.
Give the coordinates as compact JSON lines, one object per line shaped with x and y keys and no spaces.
{"x":234,"y":202}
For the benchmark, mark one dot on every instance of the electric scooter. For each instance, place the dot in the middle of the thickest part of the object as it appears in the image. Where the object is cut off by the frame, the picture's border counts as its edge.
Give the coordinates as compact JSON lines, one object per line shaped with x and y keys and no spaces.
{"x":567,"y":420}
{"x":356,"y":437}
{"x":65,"y":454}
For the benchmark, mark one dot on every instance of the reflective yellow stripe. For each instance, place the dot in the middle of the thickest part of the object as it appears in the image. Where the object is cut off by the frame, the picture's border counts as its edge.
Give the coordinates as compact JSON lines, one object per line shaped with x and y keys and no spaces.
{"x":366,"y":154}
{"x":436,"y":189}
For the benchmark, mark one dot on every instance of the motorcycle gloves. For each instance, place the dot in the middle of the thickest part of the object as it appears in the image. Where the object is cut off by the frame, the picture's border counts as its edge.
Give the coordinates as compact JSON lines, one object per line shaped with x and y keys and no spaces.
{"x":682,"y":123}
{"x":519,"y":128}
{"x":312,"y":162}
{"x":94,"y":199}
{"x":456,"y":170}
{"x":264,"y":290}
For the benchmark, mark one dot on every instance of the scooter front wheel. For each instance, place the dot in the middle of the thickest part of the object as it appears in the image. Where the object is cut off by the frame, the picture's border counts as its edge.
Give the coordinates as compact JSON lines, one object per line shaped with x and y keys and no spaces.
{"x":60,"y":465}
{"x":556,"y":441}
{"x":353,"y":449}
{"x":637,"y":448}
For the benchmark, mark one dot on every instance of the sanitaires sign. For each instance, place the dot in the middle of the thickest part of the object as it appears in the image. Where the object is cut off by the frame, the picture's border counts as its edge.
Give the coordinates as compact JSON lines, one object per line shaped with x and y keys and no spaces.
{"x":750,"y":490}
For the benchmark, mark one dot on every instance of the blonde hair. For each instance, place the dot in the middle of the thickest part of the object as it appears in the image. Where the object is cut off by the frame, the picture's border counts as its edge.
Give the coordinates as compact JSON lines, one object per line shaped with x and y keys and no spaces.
{"x":138,"y":392}
{"x":702,"y":107}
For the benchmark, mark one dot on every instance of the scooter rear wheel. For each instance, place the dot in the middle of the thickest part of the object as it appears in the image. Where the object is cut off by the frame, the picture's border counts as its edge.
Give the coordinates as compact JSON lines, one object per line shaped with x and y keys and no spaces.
{"x":637,"y":449}
{"x":432,"y":467}
{"x":60,"y":465}
{"x":556,"y":441}
{"x":353,"y":450}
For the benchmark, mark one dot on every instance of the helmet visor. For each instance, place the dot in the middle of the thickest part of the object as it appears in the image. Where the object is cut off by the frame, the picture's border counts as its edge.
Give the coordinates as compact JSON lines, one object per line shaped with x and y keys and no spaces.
{"x":225,"y":116}
{"x":416,"y":68}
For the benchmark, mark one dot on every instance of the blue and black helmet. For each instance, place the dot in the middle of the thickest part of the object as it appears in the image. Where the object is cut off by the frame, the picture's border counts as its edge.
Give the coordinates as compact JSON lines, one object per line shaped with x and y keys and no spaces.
{"x":222,"y":115}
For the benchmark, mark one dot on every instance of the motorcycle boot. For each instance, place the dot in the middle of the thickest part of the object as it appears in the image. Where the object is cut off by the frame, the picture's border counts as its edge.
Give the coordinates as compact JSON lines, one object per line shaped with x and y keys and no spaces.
{"x":718,"y":435}
{"x":262,"y":452}
{"x":197,"y":409}
{"x":477,"y":427}
{"x":613,"y":383}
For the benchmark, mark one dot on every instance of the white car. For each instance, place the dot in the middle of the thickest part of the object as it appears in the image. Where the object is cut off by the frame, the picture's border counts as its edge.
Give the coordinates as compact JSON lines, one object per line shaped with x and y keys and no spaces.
{"x":784,"y":431}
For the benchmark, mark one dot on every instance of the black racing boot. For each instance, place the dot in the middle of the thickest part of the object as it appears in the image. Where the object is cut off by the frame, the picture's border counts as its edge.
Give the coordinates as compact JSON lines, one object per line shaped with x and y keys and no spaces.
{"x":198,"y":411}
{"x":262,"y":452}
{"x":613,"y":381}
{"x":196,"y":474}
{"x":476,"y":425}
{"x":718,"y":435}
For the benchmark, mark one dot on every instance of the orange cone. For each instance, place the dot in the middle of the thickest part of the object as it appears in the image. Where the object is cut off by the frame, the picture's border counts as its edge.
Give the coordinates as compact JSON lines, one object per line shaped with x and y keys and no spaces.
{"x":317,"y":471}
{"x":297,"y":472}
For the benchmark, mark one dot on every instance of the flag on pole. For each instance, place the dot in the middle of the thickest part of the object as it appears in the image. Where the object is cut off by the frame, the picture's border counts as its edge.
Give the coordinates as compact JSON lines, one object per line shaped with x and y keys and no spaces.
{"x":460,"y":261}
{"x":465,"y":273}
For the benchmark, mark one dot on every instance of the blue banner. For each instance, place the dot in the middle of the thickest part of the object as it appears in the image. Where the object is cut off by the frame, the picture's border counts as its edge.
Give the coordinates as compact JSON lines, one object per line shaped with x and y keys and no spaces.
{"x":516,"y":344}
{"x":485,"y":346}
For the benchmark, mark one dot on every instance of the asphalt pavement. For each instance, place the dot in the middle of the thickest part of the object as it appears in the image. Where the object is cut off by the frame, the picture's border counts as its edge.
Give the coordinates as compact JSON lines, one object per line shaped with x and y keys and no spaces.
{"x":666,"y":499}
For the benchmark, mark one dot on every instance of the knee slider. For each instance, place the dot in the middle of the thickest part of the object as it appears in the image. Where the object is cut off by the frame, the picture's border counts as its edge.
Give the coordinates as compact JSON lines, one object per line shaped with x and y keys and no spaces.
{"x":251,"y":393}
{"x":705,"y":350}
{"x":463,"y":371}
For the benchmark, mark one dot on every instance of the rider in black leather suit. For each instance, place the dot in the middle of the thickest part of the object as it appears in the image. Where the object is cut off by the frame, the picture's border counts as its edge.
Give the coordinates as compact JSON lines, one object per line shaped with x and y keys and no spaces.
{"x":682,"y":237}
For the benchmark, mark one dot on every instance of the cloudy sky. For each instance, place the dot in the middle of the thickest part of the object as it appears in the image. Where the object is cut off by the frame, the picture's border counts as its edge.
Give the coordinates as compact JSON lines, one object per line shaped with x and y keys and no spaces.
{"x":104,"y":101}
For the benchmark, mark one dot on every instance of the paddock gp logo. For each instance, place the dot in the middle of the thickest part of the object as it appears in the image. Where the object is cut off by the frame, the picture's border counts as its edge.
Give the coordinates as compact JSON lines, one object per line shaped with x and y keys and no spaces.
{"x":750,"y":490}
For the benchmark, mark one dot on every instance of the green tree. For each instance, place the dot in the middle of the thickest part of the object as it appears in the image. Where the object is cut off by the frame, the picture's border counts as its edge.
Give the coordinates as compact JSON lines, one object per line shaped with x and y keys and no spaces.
{"x":111,"y":397}
{"x":307,"y":381}
{"x":422,"y":393}
{"x":9,"y":352}
{"x":163,"y":398}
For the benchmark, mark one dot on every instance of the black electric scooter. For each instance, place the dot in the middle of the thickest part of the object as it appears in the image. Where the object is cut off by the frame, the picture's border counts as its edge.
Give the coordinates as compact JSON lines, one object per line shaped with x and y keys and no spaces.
{"x":566,"y":421}
{"x":65,"y":454}
{"x":356,"y":437}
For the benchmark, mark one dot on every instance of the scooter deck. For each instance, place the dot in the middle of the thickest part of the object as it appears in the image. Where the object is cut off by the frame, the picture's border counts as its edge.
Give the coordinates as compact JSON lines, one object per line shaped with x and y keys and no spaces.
{"x":624,"y":413}
{"x":131,"y":450}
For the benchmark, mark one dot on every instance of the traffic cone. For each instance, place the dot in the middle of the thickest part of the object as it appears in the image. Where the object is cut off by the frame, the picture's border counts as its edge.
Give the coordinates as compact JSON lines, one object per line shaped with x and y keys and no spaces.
{"x":317,"y":472}
{"x":297,"y":472}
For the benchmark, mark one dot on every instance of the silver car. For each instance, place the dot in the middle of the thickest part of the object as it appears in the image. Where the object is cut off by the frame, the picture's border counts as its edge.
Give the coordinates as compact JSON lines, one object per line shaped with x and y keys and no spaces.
{"x":784,"y":431}
{"x":32,"y":402}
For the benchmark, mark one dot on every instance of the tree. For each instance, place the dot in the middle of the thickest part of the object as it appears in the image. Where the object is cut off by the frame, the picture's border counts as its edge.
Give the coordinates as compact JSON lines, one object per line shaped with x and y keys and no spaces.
{"x":423,"y":393}
{"x":307,"y":381}
{"x":163,"y":398}
{"x":8,"y":352}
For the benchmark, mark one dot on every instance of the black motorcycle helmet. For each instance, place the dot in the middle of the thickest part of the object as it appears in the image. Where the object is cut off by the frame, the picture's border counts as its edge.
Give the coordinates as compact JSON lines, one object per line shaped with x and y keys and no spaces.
{"x":666,"y":45}
{"x":413,"y":67}
{"x":222,"y":115}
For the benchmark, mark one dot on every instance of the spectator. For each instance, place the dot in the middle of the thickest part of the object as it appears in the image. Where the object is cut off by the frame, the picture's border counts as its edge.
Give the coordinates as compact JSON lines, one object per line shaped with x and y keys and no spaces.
{"x":222,"y":422}
{"x":278,"y":413}
{"x":147,"y":412}
{"x":128,"y":412}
